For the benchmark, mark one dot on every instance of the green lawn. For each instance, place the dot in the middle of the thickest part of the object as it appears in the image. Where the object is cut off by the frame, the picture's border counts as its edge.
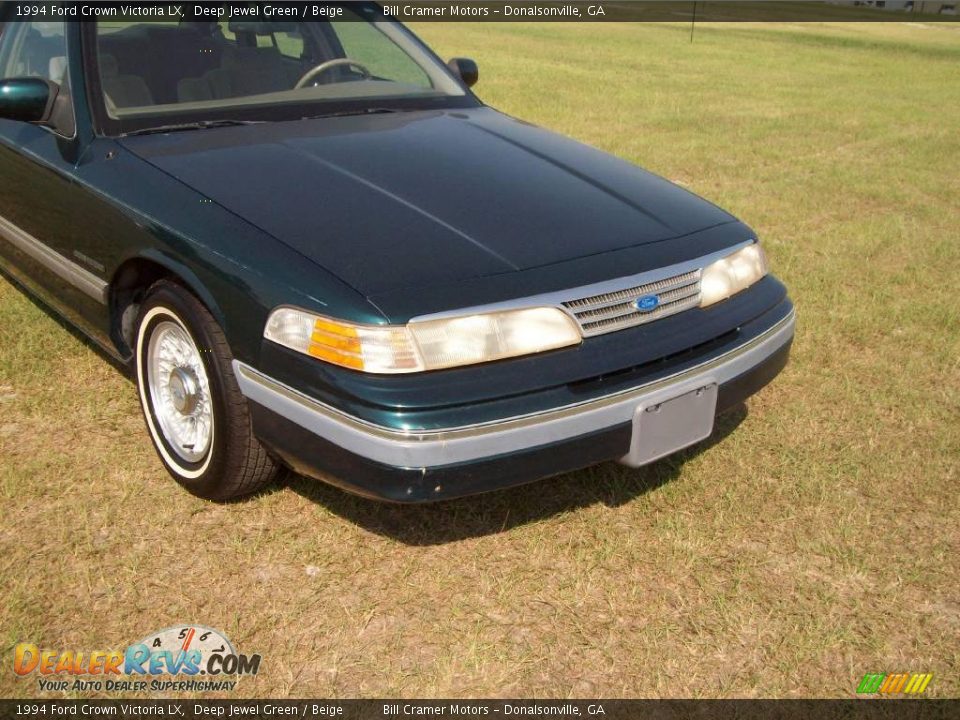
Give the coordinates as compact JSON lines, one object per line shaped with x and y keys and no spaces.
{"x":816,"y":539}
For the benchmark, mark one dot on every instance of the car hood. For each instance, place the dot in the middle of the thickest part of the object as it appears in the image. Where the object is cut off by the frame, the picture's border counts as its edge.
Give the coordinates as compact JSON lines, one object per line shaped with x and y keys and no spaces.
{"x":405,"y":200}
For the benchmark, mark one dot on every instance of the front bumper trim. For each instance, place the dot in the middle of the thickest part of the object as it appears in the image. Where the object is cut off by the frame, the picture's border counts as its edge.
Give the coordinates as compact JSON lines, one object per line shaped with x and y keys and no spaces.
{"x":437,"y":448}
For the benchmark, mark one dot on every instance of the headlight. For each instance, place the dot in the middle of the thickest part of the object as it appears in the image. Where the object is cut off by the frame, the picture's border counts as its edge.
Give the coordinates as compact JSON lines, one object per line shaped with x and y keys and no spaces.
{"x":426,"y":344}
{"x":731,"y":274}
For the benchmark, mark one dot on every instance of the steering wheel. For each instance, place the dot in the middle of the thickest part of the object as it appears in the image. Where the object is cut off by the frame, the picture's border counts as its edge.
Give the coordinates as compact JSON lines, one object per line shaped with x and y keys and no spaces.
{"x":324,"y":66}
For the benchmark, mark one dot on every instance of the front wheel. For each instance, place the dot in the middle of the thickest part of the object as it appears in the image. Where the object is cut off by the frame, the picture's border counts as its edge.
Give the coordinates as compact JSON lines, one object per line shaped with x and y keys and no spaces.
{"x":197,"y":417}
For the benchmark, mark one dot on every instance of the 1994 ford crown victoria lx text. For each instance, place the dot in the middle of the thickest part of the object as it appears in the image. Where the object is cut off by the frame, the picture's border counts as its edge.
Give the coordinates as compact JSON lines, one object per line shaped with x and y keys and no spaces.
{"x":317,"y":249}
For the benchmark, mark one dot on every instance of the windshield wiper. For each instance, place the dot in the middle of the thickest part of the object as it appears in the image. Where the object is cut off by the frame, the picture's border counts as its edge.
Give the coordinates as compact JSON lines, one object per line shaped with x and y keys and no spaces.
{"x":348,"y":113}
{"x":198,"y":125}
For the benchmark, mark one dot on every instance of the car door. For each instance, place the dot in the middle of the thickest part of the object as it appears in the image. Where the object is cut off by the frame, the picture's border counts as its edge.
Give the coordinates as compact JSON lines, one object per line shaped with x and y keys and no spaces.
{"x":44,"y":211}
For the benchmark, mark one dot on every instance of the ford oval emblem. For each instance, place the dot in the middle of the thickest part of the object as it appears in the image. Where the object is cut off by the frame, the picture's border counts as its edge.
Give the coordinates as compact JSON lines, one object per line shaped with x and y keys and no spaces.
{"x":647,"y":303}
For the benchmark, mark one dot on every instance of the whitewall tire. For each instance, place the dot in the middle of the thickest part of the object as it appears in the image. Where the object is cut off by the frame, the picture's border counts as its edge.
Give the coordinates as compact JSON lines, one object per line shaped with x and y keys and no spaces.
{"x":195,"y":414}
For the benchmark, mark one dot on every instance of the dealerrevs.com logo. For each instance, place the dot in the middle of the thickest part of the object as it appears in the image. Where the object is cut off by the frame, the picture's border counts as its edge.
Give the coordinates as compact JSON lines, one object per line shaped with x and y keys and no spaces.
{"x":187,"y":658}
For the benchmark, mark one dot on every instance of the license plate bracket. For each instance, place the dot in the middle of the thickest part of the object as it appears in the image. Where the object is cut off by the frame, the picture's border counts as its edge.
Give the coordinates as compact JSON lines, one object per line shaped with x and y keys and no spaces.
{"x":663,"y":427}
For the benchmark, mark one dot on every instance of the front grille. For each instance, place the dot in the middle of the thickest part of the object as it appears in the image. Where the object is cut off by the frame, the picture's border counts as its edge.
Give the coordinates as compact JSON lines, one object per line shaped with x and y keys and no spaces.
{"x":615,"y":310}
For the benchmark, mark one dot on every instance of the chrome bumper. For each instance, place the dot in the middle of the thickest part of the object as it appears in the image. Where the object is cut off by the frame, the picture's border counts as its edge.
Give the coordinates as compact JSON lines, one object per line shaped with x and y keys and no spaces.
{"x":417,"y":449}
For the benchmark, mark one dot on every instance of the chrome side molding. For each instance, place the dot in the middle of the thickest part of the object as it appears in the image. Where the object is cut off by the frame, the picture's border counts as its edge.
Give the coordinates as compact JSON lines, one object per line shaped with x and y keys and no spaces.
{"x":79,"y":277}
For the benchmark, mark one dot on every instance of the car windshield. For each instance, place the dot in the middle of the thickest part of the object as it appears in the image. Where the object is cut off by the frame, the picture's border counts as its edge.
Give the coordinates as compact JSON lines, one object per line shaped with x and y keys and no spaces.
{"x":199,"y":71}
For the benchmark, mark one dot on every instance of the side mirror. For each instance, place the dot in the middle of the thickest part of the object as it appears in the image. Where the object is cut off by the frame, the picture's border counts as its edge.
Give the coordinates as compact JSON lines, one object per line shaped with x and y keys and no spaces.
{"x":27,"y":99}
{"x":465,"y":69}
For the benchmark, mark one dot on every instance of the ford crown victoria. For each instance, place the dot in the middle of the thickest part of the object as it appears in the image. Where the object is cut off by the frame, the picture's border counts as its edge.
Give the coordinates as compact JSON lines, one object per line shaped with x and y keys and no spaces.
{"x":317,"y":249}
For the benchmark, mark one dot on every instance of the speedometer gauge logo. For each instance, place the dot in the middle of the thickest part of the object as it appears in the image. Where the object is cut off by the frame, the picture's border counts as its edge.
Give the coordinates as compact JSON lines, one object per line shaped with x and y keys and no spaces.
{"x":189,"y":638}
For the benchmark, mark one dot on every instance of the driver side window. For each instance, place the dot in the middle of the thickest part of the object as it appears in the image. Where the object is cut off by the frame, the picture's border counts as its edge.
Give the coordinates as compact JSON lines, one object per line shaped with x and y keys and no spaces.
{"x":35,"y":49}
{"x":39,"y":49}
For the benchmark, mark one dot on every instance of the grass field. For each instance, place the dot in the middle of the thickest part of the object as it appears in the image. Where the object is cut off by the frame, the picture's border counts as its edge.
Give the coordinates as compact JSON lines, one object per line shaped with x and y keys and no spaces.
{"x":815,"y":539}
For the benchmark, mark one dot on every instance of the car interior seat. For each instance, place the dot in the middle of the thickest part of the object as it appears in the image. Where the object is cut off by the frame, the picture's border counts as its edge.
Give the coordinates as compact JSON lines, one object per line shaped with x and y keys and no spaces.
{"x":245,"y":69}
{"x":123,"y":90}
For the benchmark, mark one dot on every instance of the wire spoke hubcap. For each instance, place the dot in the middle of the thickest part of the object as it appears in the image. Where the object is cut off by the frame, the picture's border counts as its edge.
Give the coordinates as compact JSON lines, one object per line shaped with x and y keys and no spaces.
{"x":180,"y":391}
